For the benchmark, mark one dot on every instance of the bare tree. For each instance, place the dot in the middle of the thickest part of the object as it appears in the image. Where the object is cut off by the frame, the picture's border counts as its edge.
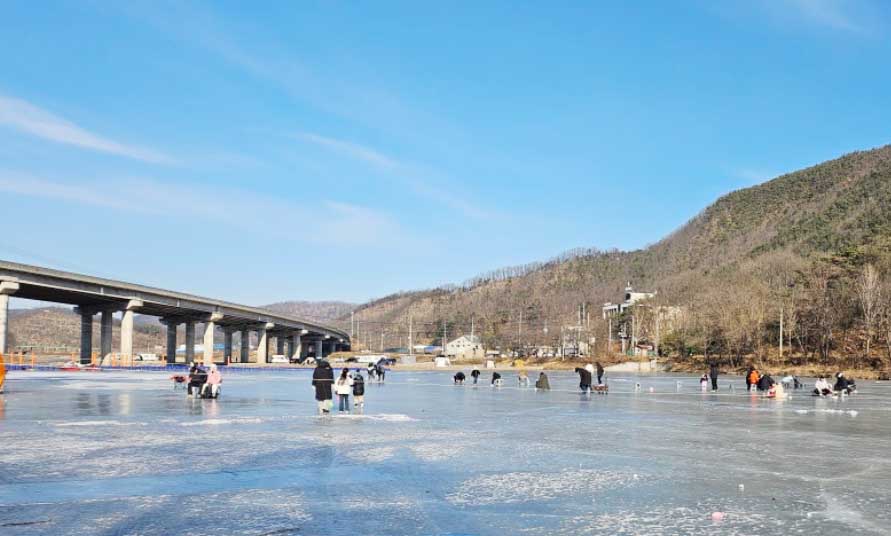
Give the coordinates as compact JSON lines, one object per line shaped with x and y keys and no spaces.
{"x":869,"y":295}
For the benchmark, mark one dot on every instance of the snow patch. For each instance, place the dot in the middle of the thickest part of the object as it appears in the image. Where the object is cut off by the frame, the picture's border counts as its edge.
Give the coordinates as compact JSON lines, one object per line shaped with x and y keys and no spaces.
{"x":99,"y":423}
{"x":217,"y":422}
{"x":534,"y":486}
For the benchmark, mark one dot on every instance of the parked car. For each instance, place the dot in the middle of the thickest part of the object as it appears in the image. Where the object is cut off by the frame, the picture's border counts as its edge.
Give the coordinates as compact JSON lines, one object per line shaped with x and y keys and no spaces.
{"x":147,"y":357}
{"x":279,"y":358}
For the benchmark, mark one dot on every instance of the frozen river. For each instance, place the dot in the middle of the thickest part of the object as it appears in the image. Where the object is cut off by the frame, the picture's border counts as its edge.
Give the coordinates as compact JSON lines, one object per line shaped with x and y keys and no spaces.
{"x":117,"y":453}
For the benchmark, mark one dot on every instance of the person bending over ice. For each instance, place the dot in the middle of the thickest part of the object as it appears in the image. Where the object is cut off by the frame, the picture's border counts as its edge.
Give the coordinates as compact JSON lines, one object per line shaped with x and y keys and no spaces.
{"x":584,"y":379}
{"x":542,"y":382}
{"x":459,"y":378}
{"x":496,"y":379}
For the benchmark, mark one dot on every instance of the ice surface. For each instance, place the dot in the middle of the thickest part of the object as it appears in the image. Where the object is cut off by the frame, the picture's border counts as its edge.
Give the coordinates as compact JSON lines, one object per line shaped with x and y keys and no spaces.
{"x":124,"y":453}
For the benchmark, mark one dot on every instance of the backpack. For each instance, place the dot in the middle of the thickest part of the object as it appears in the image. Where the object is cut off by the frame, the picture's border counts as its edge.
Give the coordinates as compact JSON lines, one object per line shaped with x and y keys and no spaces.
{"x":358,"y":386}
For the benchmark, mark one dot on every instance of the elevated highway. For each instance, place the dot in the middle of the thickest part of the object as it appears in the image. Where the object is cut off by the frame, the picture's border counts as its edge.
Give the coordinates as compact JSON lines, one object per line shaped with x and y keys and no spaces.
{"x":93,"y":296}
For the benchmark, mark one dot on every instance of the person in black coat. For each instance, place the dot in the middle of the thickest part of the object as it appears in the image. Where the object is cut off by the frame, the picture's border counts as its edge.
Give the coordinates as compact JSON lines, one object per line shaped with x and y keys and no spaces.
{"x":495,"y":378}
{"x":584,"y":379}
{"x":713,"y":374}
{"x":197,"y":378}
{"x":359,"y":389}
{"x":843,"y":385}
{"x":765,"y":383}
{"x":459,"y":378}
{"x":599,"y":373}
{"x":323,"y":380}
{"x":475,"y":374}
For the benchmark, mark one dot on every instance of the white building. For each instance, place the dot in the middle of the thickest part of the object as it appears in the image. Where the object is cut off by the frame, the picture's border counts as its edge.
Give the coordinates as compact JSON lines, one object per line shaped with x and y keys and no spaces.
{"x":631,"y":298}
{"x":465,"y":348}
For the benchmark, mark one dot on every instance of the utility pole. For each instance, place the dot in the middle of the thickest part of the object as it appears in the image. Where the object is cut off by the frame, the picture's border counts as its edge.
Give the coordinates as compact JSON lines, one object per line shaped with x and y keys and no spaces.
{"x":609,"y":336}
{"x":352,"y":323}
{"x":520,"y":333}
{"x":781,"y":332}
{"x":411,"y":340}
{"x":658,"y":339}
{"x":382,"y":339}
{"x":471,"y":327}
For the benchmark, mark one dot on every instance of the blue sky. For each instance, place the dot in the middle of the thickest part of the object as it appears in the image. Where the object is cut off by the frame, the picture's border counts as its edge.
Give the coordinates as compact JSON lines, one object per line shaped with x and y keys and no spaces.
{"x":346,"y":150}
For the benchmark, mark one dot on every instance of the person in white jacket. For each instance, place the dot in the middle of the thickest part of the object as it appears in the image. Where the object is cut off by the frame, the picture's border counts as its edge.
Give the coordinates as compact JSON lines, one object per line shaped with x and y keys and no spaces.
{"x":343,"y":386}
{"x":822,"y":387}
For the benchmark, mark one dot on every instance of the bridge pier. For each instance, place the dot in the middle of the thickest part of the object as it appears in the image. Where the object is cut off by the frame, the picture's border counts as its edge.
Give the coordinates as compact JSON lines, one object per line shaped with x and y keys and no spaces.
{"x":318,"y":343}
{"x":190,"y":341}
{"x":227,"y":345}
{"x":209,"y":331}
{"x":86,"y":336}
{"x":279,"y":344}
{"x":245,"y":346}
{"x":127,"y":328}
{"x":106,"y":325}
{"x":263,"y":346}
{"x":6,"y":289}
{"x":296,"y":346}
{"x":171,"y":341}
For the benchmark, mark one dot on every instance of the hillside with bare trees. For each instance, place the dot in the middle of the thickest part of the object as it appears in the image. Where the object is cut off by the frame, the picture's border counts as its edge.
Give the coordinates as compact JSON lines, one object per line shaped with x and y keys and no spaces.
{"x":811,"y":247}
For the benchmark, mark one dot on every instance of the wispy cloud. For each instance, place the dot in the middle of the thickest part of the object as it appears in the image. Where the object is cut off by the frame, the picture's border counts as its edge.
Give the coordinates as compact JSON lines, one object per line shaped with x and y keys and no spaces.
{"x":832,"y":13}
{"x":839,"y":15}
{"x":353,"y":150}
{"x":25,"y":117}
{"x":326,"y":222}
{"x":421,"y":180}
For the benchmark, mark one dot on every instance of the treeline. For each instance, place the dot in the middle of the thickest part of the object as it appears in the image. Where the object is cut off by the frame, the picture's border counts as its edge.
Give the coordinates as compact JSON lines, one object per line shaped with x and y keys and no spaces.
{"x":835,"y":310}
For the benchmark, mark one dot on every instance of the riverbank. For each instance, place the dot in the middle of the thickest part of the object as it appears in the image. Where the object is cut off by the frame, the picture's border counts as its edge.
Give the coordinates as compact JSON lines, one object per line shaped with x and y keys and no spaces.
{"x":782,"y":369}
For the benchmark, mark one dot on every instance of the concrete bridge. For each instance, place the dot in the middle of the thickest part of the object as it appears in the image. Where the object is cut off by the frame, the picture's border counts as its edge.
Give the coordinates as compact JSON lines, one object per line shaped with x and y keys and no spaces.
{"x":104,"y":297}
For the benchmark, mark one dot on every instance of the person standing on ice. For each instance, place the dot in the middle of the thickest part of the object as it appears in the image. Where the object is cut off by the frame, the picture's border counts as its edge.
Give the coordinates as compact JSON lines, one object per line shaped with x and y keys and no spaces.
{"x":599,"y":373}
{"x":713,"y":374}
{"x":343,"y":387}
{"x":475,"y":374}
{"x":752,"y":378}
{"x":359,"y":390}
{"x":323,"y":381}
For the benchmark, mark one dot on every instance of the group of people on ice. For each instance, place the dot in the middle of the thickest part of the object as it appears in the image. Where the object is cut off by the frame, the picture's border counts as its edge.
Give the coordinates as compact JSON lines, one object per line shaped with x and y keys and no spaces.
{"x":204,"y":382}
{"x":822,"y":387}
{"x":542,"y":383}
{"x":343,"y":386}
{"x":586,"y":375}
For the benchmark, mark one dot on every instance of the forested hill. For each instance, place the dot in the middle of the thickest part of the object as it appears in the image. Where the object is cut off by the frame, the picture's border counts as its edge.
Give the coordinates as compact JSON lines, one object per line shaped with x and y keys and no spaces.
{"x":746,"y":238}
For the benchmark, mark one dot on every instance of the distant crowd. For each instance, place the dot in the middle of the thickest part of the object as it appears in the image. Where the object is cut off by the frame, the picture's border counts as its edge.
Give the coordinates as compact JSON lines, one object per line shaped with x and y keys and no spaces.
{"x":206,"y":382}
